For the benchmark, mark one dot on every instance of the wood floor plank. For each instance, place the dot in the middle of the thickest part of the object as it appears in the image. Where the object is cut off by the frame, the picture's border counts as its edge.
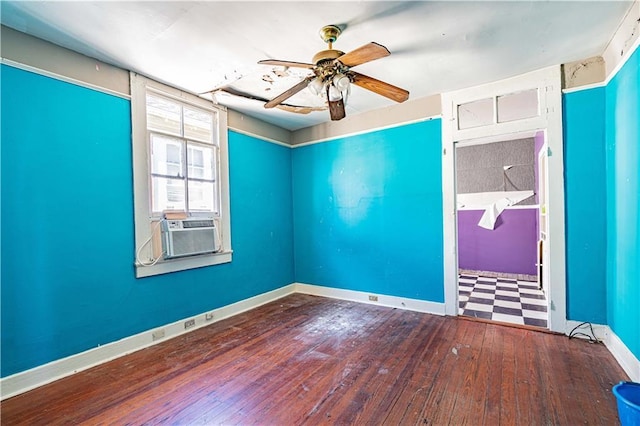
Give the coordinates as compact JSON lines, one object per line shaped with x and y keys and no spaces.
{"x":411,"y":400}
{"x":528,"y":387}
{"x":380,"y":389}
{"x":469,"y":353}
{"x":490,"y":394}
{"x":440,"y":402}
{"x":508,"y":403}
{"x":310,"y":360}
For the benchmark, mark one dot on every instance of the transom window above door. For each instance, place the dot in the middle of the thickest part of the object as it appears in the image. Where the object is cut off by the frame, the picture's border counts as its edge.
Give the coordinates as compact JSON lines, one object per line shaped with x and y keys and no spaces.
{"x":499,"y":109}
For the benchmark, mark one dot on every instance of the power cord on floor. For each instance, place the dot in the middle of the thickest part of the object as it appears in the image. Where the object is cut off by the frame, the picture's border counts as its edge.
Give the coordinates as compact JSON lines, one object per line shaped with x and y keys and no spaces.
{"x":575,"y":333}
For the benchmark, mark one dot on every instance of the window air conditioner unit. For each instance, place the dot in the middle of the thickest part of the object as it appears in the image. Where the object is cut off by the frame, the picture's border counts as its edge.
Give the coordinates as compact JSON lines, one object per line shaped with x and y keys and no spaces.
{"x":188,"y":237}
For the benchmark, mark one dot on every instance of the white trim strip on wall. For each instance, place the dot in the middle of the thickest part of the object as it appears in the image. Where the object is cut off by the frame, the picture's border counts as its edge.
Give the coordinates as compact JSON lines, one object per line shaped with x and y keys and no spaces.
{"x":61,"y":77}
{"x":624,"y":60}
{"x":608,"y":79}
{"x":613,"y":73}
{"x":516,"y":207}
{"x":80,"y":83}
{"x":332,"y":138}
{"x":257,"y":136}
{"x":585,"y":87}
{"x":371,"y":130}
{"x":618,"y":48}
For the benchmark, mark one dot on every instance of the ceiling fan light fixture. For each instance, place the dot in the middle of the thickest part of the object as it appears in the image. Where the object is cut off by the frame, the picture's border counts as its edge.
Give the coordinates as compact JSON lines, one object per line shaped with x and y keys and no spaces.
{"x":316,"y":86}
{"x":341,"y":82}
{"x":334,"y":93}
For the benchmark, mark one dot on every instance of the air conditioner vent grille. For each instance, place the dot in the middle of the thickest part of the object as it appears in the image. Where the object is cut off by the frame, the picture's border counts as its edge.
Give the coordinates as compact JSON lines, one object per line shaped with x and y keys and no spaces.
{"x":197,"y":223}
{"x":189,"y":237}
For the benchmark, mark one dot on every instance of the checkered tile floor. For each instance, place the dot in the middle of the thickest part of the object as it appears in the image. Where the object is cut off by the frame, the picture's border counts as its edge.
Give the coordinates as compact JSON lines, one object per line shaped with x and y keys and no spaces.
{"x":502,"y":299}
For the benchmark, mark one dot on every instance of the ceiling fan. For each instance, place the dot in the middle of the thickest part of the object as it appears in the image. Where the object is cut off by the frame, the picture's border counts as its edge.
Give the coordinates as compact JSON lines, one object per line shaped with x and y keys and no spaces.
{"x":332,"y":75}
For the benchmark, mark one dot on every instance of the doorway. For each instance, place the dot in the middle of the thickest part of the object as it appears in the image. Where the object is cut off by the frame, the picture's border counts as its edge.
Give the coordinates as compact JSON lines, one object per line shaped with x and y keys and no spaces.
{"x":499,"y":232}
{"x":527,"y":105}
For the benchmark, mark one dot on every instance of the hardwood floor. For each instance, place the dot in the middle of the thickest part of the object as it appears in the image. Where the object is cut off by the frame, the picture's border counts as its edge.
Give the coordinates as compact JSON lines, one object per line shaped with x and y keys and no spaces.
{"x":312,"y":360}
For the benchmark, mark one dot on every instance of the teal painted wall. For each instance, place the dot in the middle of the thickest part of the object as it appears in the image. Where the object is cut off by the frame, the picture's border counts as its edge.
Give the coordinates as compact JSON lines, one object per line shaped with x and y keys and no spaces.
{"x":67,"y":226}
{"x":368,"y":212}
{"x":623,"y":203}
{"x":585,"y":189}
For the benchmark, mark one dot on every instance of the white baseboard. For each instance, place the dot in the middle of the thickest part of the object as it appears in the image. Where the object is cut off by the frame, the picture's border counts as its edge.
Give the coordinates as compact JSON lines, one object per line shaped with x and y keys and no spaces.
{"x":629,"y":363}
{"x":601,"y":331}
{"x":364,"y":297}
{"x":26,"y":380}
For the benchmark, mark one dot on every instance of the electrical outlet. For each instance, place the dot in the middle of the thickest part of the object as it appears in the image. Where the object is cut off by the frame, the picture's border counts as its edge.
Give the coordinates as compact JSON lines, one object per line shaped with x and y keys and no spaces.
{"x":158,"y":334}
{"x":208,"y":316}
{"x":373,"y":298}
{"x":189,"y":324}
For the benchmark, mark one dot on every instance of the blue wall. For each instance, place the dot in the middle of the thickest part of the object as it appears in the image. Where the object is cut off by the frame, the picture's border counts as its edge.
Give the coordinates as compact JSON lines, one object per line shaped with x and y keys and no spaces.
{"x":585,"y":188}
{"x":67,"y":226}
{"x":623,"y":203}
{"x":368,"y":212}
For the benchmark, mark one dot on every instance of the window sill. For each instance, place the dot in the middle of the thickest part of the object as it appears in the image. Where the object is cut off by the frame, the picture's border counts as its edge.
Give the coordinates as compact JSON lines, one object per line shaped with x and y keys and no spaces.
{"x":183,"y":264}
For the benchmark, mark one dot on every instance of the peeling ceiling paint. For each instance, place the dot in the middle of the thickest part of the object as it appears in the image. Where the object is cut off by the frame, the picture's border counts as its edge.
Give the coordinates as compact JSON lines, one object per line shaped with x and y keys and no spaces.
{"x":436,"y":46}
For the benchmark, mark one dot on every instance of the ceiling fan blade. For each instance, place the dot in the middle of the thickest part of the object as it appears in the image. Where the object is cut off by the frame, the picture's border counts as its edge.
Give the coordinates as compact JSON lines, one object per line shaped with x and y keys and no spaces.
{"x":362,"y":54}
{"x":285,"y":63}
{"x":288,"y":93}
{"x":336,"y":110}
{"x":380,"y":87}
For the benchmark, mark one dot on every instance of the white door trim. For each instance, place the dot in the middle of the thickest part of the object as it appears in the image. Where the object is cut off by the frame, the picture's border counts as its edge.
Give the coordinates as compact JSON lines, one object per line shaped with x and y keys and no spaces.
{"x":548,"y":82}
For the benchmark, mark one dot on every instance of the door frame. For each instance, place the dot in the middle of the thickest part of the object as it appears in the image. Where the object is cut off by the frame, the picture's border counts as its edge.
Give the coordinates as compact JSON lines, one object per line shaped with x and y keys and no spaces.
{"x":543,"y":275}
{"x":549,"y":119}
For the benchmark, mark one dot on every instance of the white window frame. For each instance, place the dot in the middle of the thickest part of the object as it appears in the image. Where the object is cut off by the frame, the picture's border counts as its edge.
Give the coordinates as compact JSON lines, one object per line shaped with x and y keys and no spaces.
{"x":145,"y":222}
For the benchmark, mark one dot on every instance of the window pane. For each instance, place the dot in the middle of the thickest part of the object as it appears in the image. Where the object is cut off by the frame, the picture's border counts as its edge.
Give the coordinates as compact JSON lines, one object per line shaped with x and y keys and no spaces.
{"x":198,"y":125}
{"x":166,"y":156}
{"x":202,"y":196}
{"x":200,"y":161}
{"x":163,"y":115}
{"x":517,"y":106}
{"x":168,"y":194}
{"x":475,"y":114}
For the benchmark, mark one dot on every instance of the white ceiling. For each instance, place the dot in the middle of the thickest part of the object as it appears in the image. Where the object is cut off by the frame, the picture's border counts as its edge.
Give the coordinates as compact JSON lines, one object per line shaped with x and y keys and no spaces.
{"x":436,"y":46}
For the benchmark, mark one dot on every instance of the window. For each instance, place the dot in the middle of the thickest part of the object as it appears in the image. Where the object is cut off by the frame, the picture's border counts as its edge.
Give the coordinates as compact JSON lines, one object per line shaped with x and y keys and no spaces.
{"x":499,"y":109}
{"x":180,"y":167}
{"x":184,"y":157}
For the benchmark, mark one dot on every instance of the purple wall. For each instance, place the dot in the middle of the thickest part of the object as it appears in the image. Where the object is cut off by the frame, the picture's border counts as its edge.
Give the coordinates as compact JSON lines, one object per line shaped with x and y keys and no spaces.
{"x":511,"y":247}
